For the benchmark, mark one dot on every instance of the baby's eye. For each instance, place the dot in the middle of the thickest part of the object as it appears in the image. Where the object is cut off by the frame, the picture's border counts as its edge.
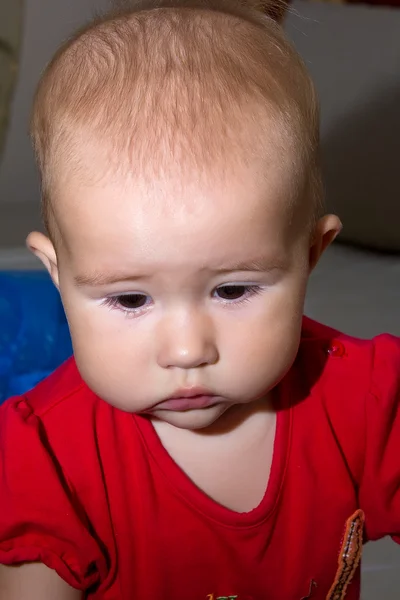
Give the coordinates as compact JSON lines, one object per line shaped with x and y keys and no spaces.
{"x":132,"y":305}
{"x":233,"y":292}
{"x":131,"y":301}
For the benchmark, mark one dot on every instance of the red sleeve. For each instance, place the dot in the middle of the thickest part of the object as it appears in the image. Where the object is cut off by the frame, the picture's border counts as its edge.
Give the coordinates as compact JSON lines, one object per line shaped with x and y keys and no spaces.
{"x":380,"y":484}
{"x":40,"y":520}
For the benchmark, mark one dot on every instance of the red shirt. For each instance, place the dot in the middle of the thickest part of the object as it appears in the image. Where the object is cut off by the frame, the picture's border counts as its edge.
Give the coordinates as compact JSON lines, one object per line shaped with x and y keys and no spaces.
{"x":89,"y":490}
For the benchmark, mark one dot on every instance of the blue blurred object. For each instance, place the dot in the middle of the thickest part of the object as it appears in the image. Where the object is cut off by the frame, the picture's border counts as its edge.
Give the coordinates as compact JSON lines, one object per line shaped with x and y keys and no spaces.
{"x":34,"y":335}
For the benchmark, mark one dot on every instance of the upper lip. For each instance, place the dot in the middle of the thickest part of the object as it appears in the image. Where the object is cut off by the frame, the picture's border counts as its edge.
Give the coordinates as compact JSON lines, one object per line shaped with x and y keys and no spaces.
{"x":191,"y":393}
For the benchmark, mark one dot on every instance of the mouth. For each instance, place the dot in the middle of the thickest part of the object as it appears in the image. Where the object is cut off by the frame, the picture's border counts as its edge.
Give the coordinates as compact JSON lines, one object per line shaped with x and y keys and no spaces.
{"x":189,"y":399}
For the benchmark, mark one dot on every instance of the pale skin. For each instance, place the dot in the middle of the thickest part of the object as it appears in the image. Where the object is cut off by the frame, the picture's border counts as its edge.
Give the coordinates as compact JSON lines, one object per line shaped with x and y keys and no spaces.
{"x":214,"y":276}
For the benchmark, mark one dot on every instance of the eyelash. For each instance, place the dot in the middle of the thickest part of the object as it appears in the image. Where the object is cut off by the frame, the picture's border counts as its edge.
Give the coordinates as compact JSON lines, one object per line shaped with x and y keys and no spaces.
{"x":251,"y":290}
{"x":113,"y":302}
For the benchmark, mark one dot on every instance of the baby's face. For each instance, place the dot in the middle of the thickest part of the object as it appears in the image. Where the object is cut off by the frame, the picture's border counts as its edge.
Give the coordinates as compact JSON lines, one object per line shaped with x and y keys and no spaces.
{"x":183,"y":285}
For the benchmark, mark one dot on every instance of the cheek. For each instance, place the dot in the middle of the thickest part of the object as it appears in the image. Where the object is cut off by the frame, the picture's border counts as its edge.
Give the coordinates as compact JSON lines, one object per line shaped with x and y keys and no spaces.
{"x":104,"y":340}
{"x":270,"y":341}
{"x":280,"y":307}
{"x":266,"y":355}
{"x":268,"y":338}
{"x":112,"y":361}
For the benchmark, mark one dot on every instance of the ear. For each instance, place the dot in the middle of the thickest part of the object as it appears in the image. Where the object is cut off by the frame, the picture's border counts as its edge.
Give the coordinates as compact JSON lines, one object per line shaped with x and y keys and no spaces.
{"x":43,"y":248}
{"x":326,"y":230}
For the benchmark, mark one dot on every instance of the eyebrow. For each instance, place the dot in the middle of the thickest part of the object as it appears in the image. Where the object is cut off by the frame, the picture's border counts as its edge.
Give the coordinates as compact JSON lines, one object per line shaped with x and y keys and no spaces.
{"x":97,"y":279}
{"x":102,"y":279}
{"x":258,"y":264}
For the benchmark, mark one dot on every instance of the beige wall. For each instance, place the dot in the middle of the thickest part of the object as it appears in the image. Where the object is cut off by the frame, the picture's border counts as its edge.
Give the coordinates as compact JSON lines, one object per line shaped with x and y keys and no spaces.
{"x":47,"y":23}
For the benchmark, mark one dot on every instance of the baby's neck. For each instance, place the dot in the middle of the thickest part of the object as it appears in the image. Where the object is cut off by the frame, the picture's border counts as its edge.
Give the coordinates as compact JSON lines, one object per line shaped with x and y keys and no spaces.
{"x":231,"y":460}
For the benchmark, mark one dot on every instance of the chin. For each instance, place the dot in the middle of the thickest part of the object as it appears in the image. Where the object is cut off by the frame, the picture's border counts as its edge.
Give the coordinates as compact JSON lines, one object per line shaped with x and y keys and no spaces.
{"x":192,"y":419}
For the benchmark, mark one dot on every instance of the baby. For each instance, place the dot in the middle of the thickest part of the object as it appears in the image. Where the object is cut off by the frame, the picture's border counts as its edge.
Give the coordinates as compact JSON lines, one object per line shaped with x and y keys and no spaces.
{"x":207,"y":441}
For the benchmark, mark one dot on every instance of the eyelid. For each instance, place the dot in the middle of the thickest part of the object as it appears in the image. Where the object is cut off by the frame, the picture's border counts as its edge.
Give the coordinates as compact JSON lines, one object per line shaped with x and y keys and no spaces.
{"x":250,"y":278}
{"x":251,"y":290}
{"x":112,"y":303}
{"x":238,"y":284}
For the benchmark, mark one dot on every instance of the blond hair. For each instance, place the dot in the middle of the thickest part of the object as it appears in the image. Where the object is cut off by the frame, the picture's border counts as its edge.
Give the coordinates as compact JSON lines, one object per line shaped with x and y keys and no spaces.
{"x":158,"y":82}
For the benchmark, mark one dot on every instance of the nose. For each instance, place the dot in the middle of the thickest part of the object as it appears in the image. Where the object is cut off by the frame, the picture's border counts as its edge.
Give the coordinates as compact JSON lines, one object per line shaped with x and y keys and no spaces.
{"x":187,"y":340}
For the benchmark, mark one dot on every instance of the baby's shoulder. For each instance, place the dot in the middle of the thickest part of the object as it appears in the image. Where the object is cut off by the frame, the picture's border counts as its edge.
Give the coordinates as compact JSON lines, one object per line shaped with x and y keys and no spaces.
{"x":65,"y":383}
{"x":351,"y":389}
{"x":348,"y":375}
{"x":61,"y":398}
{"x":55,"y":430}
{"x":348,"y":360}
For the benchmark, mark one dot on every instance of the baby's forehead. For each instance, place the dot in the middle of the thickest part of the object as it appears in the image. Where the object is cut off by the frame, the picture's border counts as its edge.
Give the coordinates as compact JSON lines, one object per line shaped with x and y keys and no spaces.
{"x":185,"y":205}
{"x":164,"y":229}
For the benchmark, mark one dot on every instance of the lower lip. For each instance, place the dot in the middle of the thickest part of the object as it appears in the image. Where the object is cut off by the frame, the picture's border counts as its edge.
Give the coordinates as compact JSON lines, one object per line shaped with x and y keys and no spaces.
{"x":194,"y":403}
